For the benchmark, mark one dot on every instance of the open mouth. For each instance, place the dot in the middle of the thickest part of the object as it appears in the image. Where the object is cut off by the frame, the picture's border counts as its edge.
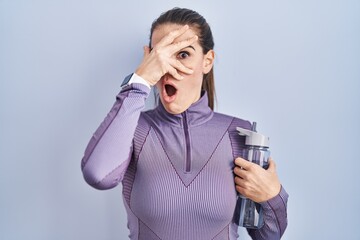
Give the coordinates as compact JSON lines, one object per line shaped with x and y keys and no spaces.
{"x":170,"y":90}
{"x":169,"y":93}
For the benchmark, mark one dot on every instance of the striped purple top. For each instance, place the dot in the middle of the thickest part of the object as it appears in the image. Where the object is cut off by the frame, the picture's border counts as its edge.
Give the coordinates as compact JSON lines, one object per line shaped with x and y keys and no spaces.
{"x":176,"y":170}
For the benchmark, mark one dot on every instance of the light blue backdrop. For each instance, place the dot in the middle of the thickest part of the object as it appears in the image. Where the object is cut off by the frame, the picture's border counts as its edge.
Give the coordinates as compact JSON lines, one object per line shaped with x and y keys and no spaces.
{"x":292,"y":66}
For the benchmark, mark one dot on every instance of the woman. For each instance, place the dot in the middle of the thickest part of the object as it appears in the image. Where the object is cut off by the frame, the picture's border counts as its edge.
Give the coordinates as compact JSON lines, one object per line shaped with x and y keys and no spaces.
{"x":176,"y":162}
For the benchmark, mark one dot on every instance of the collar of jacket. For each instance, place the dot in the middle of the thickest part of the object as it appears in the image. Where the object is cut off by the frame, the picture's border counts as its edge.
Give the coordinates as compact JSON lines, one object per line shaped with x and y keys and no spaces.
{"x":197,"y":114}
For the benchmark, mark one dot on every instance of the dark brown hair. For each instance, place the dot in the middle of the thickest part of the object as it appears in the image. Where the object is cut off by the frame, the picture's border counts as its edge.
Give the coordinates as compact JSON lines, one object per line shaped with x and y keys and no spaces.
{"x":183,"y":16}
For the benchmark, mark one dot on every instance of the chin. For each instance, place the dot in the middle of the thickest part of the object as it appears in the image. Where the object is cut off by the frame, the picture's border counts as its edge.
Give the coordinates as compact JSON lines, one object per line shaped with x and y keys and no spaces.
{"x":174,"y":108}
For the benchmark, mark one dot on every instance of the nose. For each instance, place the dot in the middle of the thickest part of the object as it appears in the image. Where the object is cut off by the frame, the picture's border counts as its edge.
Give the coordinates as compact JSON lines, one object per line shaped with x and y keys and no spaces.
{"x":166,"y":77}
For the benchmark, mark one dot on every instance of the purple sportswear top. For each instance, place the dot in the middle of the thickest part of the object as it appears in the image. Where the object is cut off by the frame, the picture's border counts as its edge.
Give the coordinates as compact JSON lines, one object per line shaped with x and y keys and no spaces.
{"x":176,"y":170}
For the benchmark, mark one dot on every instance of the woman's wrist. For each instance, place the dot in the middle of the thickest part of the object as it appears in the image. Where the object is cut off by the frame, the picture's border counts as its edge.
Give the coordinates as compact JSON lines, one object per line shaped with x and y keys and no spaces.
{"x":136,"y":78}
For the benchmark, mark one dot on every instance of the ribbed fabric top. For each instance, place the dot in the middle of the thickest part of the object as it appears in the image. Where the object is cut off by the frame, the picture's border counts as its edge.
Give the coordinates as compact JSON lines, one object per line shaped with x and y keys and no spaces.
{"x":176,"y":170}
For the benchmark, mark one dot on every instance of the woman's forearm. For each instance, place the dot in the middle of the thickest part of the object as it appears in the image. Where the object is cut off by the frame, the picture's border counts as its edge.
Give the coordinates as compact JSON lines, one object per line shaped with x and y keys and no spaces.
{"x":109,"y":151}
{"x":275,"y":218}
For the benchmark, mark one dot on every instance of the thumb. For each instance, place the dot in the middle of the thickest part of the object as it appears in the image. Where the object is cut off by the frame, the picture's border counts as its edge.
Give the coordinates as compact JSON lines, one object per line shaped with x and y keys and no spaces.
{"x":272,"y":165}
{"x":146,"y":51}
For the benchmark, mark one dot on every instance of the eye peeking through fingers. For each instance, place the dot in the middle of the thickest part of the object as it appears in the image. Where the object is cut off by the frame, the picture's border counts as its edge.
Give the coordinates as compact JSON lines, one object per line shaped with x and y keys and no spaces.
{"x":183,"y":55}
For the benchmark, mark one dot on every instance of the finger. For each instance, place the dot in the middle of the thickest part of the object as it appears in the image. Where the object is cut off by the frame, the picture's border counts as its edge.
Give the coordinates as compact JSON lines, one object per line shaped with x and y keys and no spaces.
{"x":239,"y":181}
{"x":146,"y":51}
{"x":179,"y":66}
{"x":272,"y":165}
{"x":170,"y":37}
{"x":241,"y":190}
{"x":239,"y":172}
{"x":243,"y":163}
{"x":172,"y":71}
{"x":173,"y":48}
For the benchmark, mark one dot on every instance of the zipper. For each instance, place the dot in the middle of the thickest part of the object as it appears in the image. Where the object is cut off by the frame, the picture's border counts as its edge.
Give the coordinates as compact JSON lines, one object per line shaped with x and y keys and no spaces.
{"x":187,"y":143}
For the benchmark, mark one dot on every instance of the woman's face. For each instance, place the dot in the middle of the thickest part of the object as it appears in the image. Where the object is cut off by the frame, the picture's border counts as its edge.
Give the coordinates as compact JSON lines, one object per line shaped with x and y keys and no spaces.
{"x":177,"y":95}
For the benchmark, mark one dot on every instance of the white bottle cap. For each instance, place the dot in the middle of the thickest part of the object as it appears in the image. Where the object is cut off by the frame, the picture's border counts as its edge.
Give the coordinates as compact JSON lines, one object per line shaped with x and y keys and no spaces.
{"x":253,"y":138}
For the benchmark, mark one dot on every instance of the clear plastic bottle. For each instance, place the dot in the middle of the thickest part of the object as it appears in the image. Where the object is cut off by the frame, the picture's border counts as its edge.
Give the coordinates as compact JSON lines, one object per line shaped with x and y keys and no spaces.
{"x":249,"y":213}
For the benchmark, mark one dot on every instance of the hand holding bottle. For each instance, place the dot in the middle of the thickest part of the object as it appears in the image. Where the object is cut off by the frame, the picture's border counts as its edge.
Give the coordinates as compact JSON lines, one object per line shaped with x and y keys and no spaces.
{"x":254,"y":182}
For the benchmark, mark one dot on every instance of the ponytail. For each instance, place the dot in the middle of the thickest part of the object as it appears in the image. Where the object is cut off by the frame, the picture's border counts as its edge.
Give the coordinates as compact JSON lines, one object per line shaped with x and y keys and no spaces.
{"x":208,"y":85}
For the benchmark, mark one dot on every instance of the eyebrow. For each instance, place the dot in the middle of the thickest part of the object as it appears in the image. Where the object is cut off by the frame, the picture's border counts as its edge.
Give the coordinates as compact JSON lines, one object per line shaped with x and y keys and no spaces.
{"x":183,"y":48}
{"x":190,"y":47}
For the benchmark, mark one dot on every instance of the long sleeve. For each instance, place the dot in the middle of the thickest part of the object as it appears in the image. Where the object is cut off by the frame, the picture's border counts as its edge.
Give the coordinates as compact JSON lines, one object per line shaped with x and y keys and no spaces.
{"x":275,"y":218}
{"x":108,"y":153}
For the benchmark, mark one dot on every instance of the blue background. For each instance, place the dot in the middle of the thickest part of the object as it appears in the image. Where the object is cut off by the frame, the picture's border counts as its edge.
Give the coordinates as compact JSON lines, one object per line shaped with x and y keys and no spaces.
{"x":292,"y":66}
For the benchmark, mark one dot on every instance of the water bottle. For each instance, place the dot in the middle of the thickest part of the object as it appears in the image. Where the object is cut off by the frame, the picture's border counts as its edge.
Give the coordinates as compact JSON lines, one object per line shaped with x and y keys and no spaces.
{"x":250,"y":213}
